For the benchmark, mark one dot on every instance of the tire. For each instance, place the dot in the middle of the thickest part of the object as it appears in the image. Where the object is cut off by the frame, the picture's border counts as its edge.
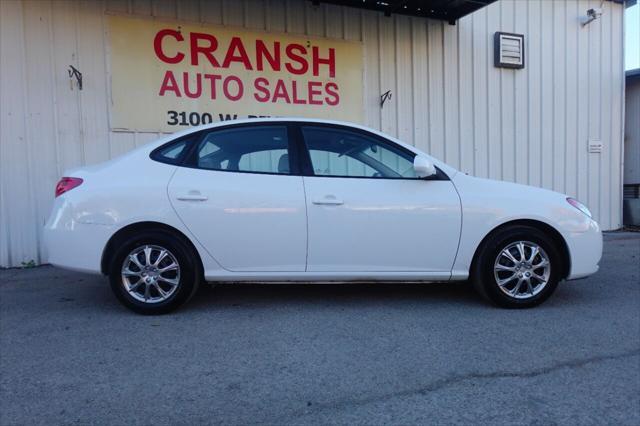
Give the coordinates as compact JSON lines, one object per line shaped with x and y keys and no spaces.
{"x":493,"y":267}
{"x":150,"y":289}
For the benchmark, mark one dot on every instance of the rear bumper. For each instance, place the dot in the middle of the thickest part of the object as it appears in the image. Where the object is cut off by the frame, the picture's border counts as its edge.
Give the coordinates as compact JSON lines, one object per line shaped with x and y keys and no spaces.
{"x":585,"y":249}
{"x":74,"y":245}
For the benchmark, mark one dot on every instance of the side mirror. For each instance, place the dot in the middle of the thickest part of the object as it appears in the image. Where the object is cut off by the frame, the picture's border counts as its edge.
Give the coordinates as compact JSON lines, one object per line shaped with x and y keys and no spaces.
{"x":423,"y":167}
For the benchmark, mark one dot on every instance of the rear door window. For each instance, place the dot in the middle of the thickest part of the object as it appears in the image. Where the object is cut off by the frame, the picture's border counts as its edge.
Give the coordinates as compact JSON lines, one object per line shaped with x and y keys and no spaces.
{"x":254,"y":149}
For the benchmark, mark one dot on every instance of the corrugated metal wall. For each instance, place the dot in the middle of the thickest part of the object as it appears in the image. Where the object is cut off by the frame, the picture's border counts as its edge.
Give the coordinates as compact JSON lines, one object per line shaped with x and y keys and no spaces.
{"x":632,"y":134}
{"x":529,"y":126}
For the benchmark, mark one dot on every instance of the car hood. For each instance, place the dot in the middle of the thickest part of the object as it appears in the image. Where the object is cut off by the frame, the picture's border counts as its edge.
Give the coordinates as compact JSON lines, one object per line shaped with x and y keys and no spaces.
{"x":496,"y":202}
{"x":503,"y":189}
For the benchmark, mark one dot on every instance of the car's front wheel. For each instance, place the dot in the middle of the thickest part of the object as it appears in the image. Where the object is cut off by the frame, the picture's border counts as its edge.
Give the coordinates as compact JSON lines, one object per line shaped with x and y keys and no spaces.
{"x":518,"y":267}
{"x":153,"y":272}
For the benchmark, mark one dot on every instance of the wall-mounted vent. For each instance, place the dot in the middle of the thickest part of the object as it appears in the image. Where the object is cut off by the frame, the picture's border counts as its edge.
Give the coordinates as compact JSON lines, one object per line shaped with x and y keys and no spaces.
{"x":508,"y":50}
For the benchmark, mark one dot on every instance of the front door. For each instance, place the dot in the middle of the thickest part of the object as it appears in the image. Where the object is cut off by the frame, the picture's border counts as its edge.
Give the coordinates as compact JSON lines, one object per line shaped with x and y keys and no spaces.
{"x":368,"y":212}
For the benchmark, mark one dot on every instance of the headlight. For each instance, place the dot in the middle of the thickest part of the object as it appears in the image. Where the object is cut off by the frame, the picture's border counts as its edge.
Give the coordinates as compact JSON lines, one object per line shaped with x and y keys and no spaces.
{"x":578,"y":205}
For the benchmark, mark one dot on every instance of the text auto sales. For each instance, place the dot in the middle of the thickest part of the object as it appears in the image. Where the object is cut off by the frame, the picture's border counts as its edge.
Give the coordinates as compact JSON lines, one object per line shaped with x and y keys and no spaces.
{"x":293,"y":58}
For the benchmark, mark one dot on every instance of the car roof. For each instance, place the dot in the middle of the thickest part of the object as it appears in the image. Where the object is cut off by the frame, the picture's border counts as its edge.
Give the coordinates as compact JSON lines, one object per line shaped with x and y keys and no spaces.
{"x":276,"y":120}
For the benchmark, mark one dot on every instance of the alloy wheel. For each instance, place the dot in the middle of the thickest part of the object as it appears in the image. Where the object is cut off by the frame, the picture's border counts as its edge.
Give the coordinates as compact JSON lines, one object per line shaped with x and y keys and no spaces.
{"x":522,"y":269}
{"x":150,"y":274}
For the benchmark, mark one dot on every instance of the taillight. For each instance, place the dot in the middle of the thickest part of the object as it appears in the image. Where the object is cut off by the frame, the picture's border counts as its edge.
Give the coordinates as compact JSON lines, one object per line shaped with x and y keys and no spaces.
{"x":67,"y":184}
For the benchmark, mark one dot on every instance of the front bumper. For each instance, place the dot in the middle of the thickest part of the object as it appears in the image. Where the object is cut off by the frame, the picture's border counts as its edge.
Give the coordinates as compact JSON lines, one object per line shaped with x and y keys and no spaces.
{"x":585,"y":249}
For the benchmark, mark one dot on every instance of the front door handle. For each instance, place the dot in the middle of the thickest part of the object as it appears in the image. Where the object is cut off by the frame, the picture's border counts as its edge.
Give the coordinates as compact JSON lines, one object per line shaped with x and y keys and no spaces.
{"x":192,"y":196}
{"x":328,"y":200}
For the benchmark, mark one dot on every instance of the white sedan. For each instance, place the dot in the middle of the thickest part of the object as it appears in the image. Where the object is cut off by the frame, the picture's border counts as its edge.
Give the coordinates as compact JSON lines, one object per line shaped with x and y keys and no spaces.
{"x":282,"y":200}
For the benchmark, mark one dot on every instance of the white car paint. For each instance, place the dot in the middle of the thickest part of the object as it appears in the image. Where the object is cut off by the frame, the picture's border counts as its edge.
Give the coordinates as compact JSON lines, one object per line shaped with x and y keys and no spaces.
{"x":260,"y":220}
{"x":258,"y":227}
{"x":382,"y":225}
{"x":487,"y":204}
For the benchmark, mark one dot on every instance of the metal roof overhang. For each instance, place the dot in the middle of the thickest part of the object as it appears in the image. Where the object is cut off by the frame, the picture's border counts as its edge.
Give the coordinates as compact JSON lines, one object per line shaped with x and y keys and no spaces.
{"x":632,"y":75}
{"x":446,"y":10}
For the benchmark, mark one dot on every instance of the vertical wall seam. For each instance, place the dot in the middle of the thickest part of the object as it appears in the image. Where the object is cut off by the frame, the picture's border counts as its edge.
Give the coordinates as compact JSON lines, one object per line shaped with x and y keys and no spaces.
{"x":553,"y":96}
{"x":459,"y":99}
{"x":324,"y":20}
{"x":501,"y":104}
{"x":343,"y":24}
{"x":623,"y":116}
{"x":396,"y":72}
{"x":427,"y":102}
{"x":265,"y":15}
{"x":600,"y":72}
{"x":4,"y":225}
{"x":516,"y":147}
{"x":578,"y":95}
{"x":473,"y":98}
{"x":413,"y":85}
{"x":54,"y":91}
{"x":305,"y":19}
{"x":486,"y":58}
{"x":443,"y":66}
{"x":540,"y":94}
{"x":611,"y":131}
{"x":28,"y":137}
{"x":245,"y":15}
{"x":589,"y":98}
{"x":107,"y":73}
{"x":78,"y":95}
{"x":566,"y":102}
{"x":379,"y":40}
{"x":527,"y":51}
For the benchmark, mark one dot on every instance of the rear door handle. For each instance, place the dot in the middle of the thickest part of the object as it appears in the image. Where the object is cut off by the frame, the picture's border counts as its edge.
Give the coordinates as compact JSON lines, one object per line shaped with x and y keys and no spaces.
{"x":192,"y":196}
{"x":328,"y":200}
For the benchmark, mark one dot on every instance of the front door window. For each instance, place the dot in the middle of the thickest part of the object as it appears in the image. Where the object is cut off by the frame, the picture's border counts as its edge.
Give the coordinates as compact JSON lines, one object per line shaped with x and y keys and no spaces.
{"x":337,"y":152}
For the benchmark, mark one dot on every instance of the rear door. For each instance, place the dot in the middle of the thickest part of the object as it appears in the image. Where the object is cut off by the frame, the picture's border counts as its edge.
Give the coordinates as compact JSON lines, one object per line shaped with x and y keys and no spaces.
{"x":240,"y":199}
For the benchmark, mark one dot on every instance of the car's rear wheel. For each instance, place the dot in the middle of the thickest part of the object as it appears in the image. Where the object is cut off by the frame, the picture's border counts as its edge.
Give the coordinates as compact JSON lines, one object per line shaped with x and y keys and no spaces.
{"x":154,"y":272}
{"x":517,"y":267}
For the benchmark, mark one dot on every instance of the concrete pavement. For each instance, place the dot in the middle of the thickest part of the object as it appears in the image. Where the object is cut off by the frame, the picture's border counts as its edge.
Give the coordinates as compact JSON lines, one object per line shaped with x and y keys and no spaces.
{"x":340,"y":354}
